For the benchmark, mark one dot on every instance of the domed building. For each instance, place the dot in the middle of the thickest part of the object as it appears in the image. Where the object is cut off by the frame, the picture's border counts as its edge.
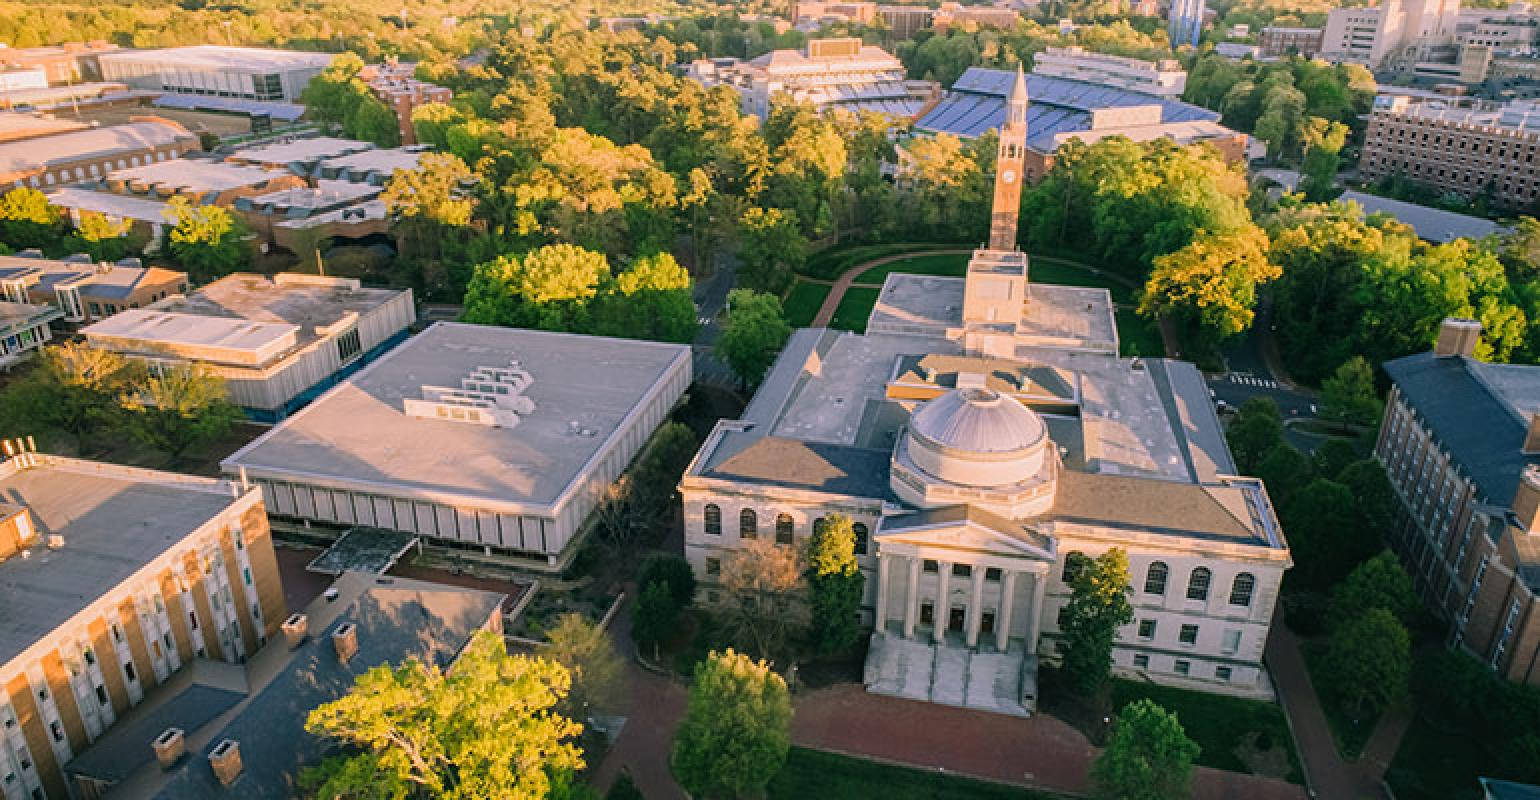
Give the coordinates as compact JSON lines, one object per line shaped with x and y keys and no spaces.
{"x":982,"y":431}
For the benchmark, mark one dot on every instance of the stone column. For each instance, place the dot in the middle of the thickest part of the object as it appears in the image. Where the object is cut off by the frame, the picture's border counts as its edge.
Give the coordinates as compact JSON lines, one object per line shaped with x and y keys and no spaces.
{"x":882,"y":593}
{"x":976,"y":606}
{"x":1003,"y":618}
{"x":912,"y":599}
{"x":942,"y":607}
{"x":1035,"y":626}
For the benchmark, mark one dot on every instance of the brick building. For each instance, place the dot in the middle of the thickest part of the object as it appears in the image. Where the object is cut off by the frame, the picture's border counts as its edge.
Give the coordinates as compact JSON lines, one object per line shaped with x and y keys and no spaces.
{"x":85,"y":292}
{"x":63,"y":158}
{"x":113,"y":579}
{"x":1460,"y":443}
{"x":396,"y":87}
{"x":1277,"y":41}
{"x":1470,"y":152}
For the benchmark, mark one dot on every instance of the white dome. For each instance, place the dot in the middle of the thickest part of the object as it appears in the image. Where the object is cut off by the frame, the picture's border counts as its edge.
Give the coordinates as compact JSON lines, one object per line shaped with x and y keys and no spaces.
{"x":979,"y":421}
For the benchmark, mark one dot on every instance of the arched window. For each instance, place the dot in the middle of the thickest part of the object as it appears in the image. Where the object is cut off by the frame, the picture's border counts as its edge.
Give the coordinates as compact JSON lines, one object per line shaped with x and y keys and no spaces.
{"x":713,"y":520}
{"x":1241,"y":590}
{"x":861,"y":537}
{"x":748,"y":524}
{"x":783,"y":529}
{"x":1197,"y":585}
{"x":1155,"y":578}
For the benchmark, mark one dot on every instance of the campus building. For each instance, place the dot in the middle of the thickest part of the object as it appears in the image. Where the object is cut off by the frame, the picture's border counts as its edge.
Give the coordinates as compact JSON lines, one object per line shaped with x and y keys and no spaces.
{"x":396,"y":85}
{"x":72,"y":62}
{"x":220,"y":731}
{"x":828,"y":73}
{"x":113,"y":580}
{"x":980,"y":432}
{"x":23,"y":328}
{"x":1396,"y":34}
{"x":1062,"y":109}
{"x":277,"y":341}
{"x":1460,"y":443}
{"x":1164,"y":78}
{"x":1466,"y":151}
{"x":243,"y":73}
{"x":71,"y":156}
{"x":1184,"y":22}
{"x":1278,"y":41}
{"x":493,"y":442}
{"x":83,"y":291}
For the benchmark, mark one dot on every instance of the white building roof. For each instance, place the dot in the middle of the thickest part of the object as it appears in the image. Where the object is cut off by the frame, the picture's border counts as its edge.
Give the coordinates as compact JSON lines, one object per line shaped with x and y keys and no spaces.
{"x":193,"y":175}
{"x":78,"y":145}
{"x":299,"y":150}
{"x":208,"y":56}
{"x":122,"y":206}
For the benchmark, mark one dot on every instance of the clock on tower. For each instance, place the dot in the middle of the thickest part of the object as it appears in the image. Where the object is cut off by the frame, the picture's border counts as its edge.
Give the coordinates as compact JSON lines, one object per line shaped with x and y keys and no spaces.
{"x":1008,"y":167}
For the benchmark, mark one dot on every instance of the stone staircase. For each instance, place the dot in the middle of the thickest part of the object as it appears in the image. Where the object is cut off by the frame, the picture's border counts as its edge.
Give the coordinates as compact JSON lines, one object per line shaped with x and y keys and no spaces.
{"x":948,"y":674}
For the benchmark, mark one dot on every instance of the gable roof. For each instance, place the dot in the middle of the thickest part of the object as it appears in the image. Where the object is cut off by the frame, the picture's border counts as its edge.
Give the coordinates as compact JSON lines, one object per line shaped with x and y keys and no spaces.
{"x":950,"y":517}
{"x":795,"y":464}
{"x":1221,"y":512}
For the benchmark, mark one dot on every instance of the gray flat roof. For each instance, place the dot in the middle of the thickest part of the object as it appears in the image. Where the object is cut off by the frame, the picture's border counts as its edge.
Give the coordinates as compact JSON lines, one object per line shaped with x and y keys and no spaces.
{"x":68,"y":147}
{"x":194,"y":174}
{"x":114,"y":521}
{"x":211,"y":56}
{"x":358,"y":435}
{"x":300,"y":150}
{"x":1432,"y":224}
{"x":124,"y":206}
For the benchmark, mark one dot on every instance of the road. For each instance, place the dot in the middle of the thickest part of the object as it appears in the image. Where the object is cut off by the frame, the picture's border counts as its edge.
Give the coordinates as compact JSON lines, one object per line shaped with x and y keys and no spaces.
{"x":1251,"y":375}
{"x":710,"y":301}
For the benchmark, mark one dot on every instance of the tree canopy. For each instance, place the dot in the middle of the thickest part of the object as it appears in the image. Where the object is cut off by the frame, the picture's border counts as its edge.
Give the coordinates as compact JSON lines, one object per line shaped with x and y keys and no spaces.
{"x":736,"y":731}
{"x":1148,"y":756}
{"x":1098,"y":606}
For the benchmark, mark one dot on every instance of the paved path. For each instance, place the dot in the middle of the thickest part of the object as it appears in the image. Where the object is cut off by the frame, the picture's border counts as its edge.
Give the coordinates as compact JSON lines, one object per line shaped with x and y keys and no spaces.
{"x":832,"y":302}
{"x":1325,"y":771}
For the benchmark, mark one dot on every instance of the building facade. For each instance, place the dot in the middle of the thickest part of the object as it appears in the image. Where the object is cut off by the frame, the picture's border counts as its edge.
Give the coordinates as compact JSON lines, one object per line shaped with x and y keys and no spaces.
{"x":1396,"y":34}
{"x":1466,"y":151}
{"x":246,"y":73}
{"x":64,"y":64}
{"x":1460,"y":443}
{"x":1184,"y":23}
{"x":396,"y":86}
{"x":828,"y":73}
{"x":1277,"y":41}
{"x":278,"y":342}
{"x":63,"y":158}
{"x":85,"y":292}
{"x":980,"y":434}
{"x":1164,"y":78}
{"x":23,"y":328}
{"x":115,"y":579}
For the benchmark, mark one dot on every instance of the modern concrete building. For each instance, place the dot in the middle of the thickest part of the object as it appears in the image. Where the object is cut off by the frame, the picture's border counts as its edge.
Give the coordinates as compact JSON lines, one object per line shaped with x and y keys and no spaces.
{"x":72,"y":62}
{"x":15,"y":78}
{"x":15,"y":125}
{"x":1184,"y":22}
{"x":83,"y":291}
{"x":227,"y":733}
{"x":1394,"y":35}
{"x":114,"y":579}
{"x":1164,"y":78}
{"x":1062,"y":109}
{"x":982,"y":431}
{"x":1277,"y":41}
{"x":1460,"y":443}
{"x":496,"y":442}
{"x":278,"y":342}
{"x":246,"y":73}
{"x":829,"y":73}
{"x":1467,"y":151}
{"x":23,"y":328}
{"x":63,"y":158}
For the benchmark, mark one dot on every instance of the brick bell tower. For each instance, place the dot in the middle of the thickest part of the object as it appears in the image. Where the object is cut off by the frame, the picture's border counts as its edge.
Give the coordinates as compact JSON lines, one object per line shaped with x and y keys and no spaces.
{"x":1008,"y":168}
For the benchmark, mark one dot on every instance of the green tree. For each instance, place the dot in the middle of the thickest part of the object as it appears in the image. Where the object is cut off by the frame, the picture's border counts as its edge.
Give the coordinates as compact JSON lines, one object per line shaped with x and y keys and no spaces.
{"x":1257,"y":429}
{"x":650,"y":300}
{"x":1366,"y":481}
{"x":1325,"y":533}
{"x":1379,"y":582}
{"x":104,"y":239}
{"x":27,"y":220}
{"x":181,"y":407}
{"x":486,"y":728}
{"x":674,"y":573}
{"x":837,"y":584}
{"x":1323,"y":147}
{"x":1098,"y":606}
{"x":331,"y":96}
{"x":1370,"y":660}
{"x":1333,"y":456}
{"x":1349,"y":395}
{"x":770,"y":249}
{"x":756,"y":330}
{"x":75,"y":388}
{"x":429,"y":209}
{"x":585,"y":650}
{"x":1148,"y":756}
{"x":206,"y":240}
{"x":1285,"y":471}
{"x":736,"y":732}
{"x":372,"y":121}
{"x":654,"y":616}
{"x":550,"y":288}
{"x":1212,"y":282}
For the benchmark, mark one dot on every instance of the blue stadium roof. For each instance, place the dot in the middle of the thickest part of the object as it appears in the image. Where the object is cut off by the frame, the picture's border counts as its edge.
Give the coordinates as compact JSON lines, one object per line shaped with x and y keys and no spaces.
{"x":976,"y":104}
{"x":288,"y":112}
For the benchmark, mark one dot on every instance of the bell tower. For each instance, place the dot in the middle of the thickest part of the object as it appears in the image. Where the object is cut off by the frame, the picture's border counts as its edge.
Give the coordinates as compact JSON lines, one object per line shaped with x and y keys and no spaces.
{"x":1008,"y":168}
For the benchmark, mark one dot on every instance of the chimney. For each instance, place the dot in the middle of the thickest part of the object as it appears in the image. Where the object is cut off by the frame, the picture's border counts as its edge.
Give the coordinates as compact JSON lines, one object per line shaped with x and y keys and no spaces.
{"x":296,"y":629}
{"x":169,"y":747}
{"x":345,"y":638}
{"x":1532,"y":436}
{"x":1526,"y":499}
{"x":225,"y":758}
{"x":1457,"y":337}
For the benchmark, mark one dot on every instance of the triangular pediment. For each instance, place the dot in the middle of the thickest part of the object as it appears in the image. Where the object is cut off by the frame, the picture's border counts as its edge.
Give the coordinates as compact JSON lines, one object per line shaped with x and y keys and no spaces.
{"x":972,"y":536}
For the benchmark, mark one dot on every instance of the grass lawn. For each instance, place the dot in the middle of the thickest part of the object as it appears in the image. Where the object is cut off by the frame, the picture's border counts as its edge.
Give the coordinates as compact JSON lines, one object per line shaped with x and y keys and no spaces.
{"x":1436,"y":765}
{"x":1223,"y":726}
{"x":813,"y":773}
{"x":952,"y":265}
{"x":833,"y":262}
{"x":802,"y":303}
{"x":1047,"y":269}
{"x":854,"y":308}
{"x":1138,"y":336}
{"x":1351,"y":734}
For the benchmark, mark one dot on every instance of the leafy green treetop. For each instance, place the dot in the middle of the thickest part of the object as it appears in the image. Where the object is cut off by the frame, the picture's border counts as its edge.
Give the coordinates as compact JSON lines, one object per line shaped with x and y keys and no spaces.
{"x":205,"y":239}
{"x":1098,"y":606}
{"x":1380,"y":582}
{"x":181,"y":407}
{"x":1370,"y":660}
{"x":1148,"y":756}
{"x":836,"y":582}
{"x":736,"y":733}
{"x":1349,"y":394}
{"x":754,"y":335}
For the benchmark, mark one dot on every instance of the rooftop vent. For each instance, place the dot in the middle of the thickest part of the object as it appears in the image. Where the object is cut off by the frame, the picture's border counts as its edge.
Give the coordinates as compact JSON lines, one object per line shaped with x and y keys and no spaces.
{"x":295,"y":629}
{"x":55,"y":541}
{"x":225,"y":758}
{"x":491,"y":396}
{"x":330,"y":594}
{"x":345,"y":639}
{"x":169,"y":747}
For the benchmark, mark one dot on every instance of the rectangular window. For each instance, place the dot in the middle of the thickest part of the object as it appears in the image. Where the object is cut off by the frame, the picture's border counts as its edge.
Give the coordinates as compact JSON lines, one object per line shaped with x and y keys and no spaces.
{"x":713,"y":566}
{"x":1141,"y":660}
{"x":962,"y":571}
{"x":128,"y":669}
{"x":1232,"y":641}
{"x":56,"y":730}
{"x":1183,"y":667}
{"x":192,"y":619}
{"x":348,"y":346}
{"x":931,"y":566}
{"x":1146,"y":629}
{"x":992,"y":574}
{"x":1222,"y":673}
{"x":101,"y":695}
{"x":1188,"y":635}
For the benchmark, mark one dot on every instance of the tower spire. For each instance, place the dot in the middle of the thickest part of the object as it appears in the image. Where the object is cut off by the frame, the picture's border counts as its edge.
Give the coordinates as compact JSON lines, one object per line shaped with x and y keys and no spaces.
{"x":1008,"y":167}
